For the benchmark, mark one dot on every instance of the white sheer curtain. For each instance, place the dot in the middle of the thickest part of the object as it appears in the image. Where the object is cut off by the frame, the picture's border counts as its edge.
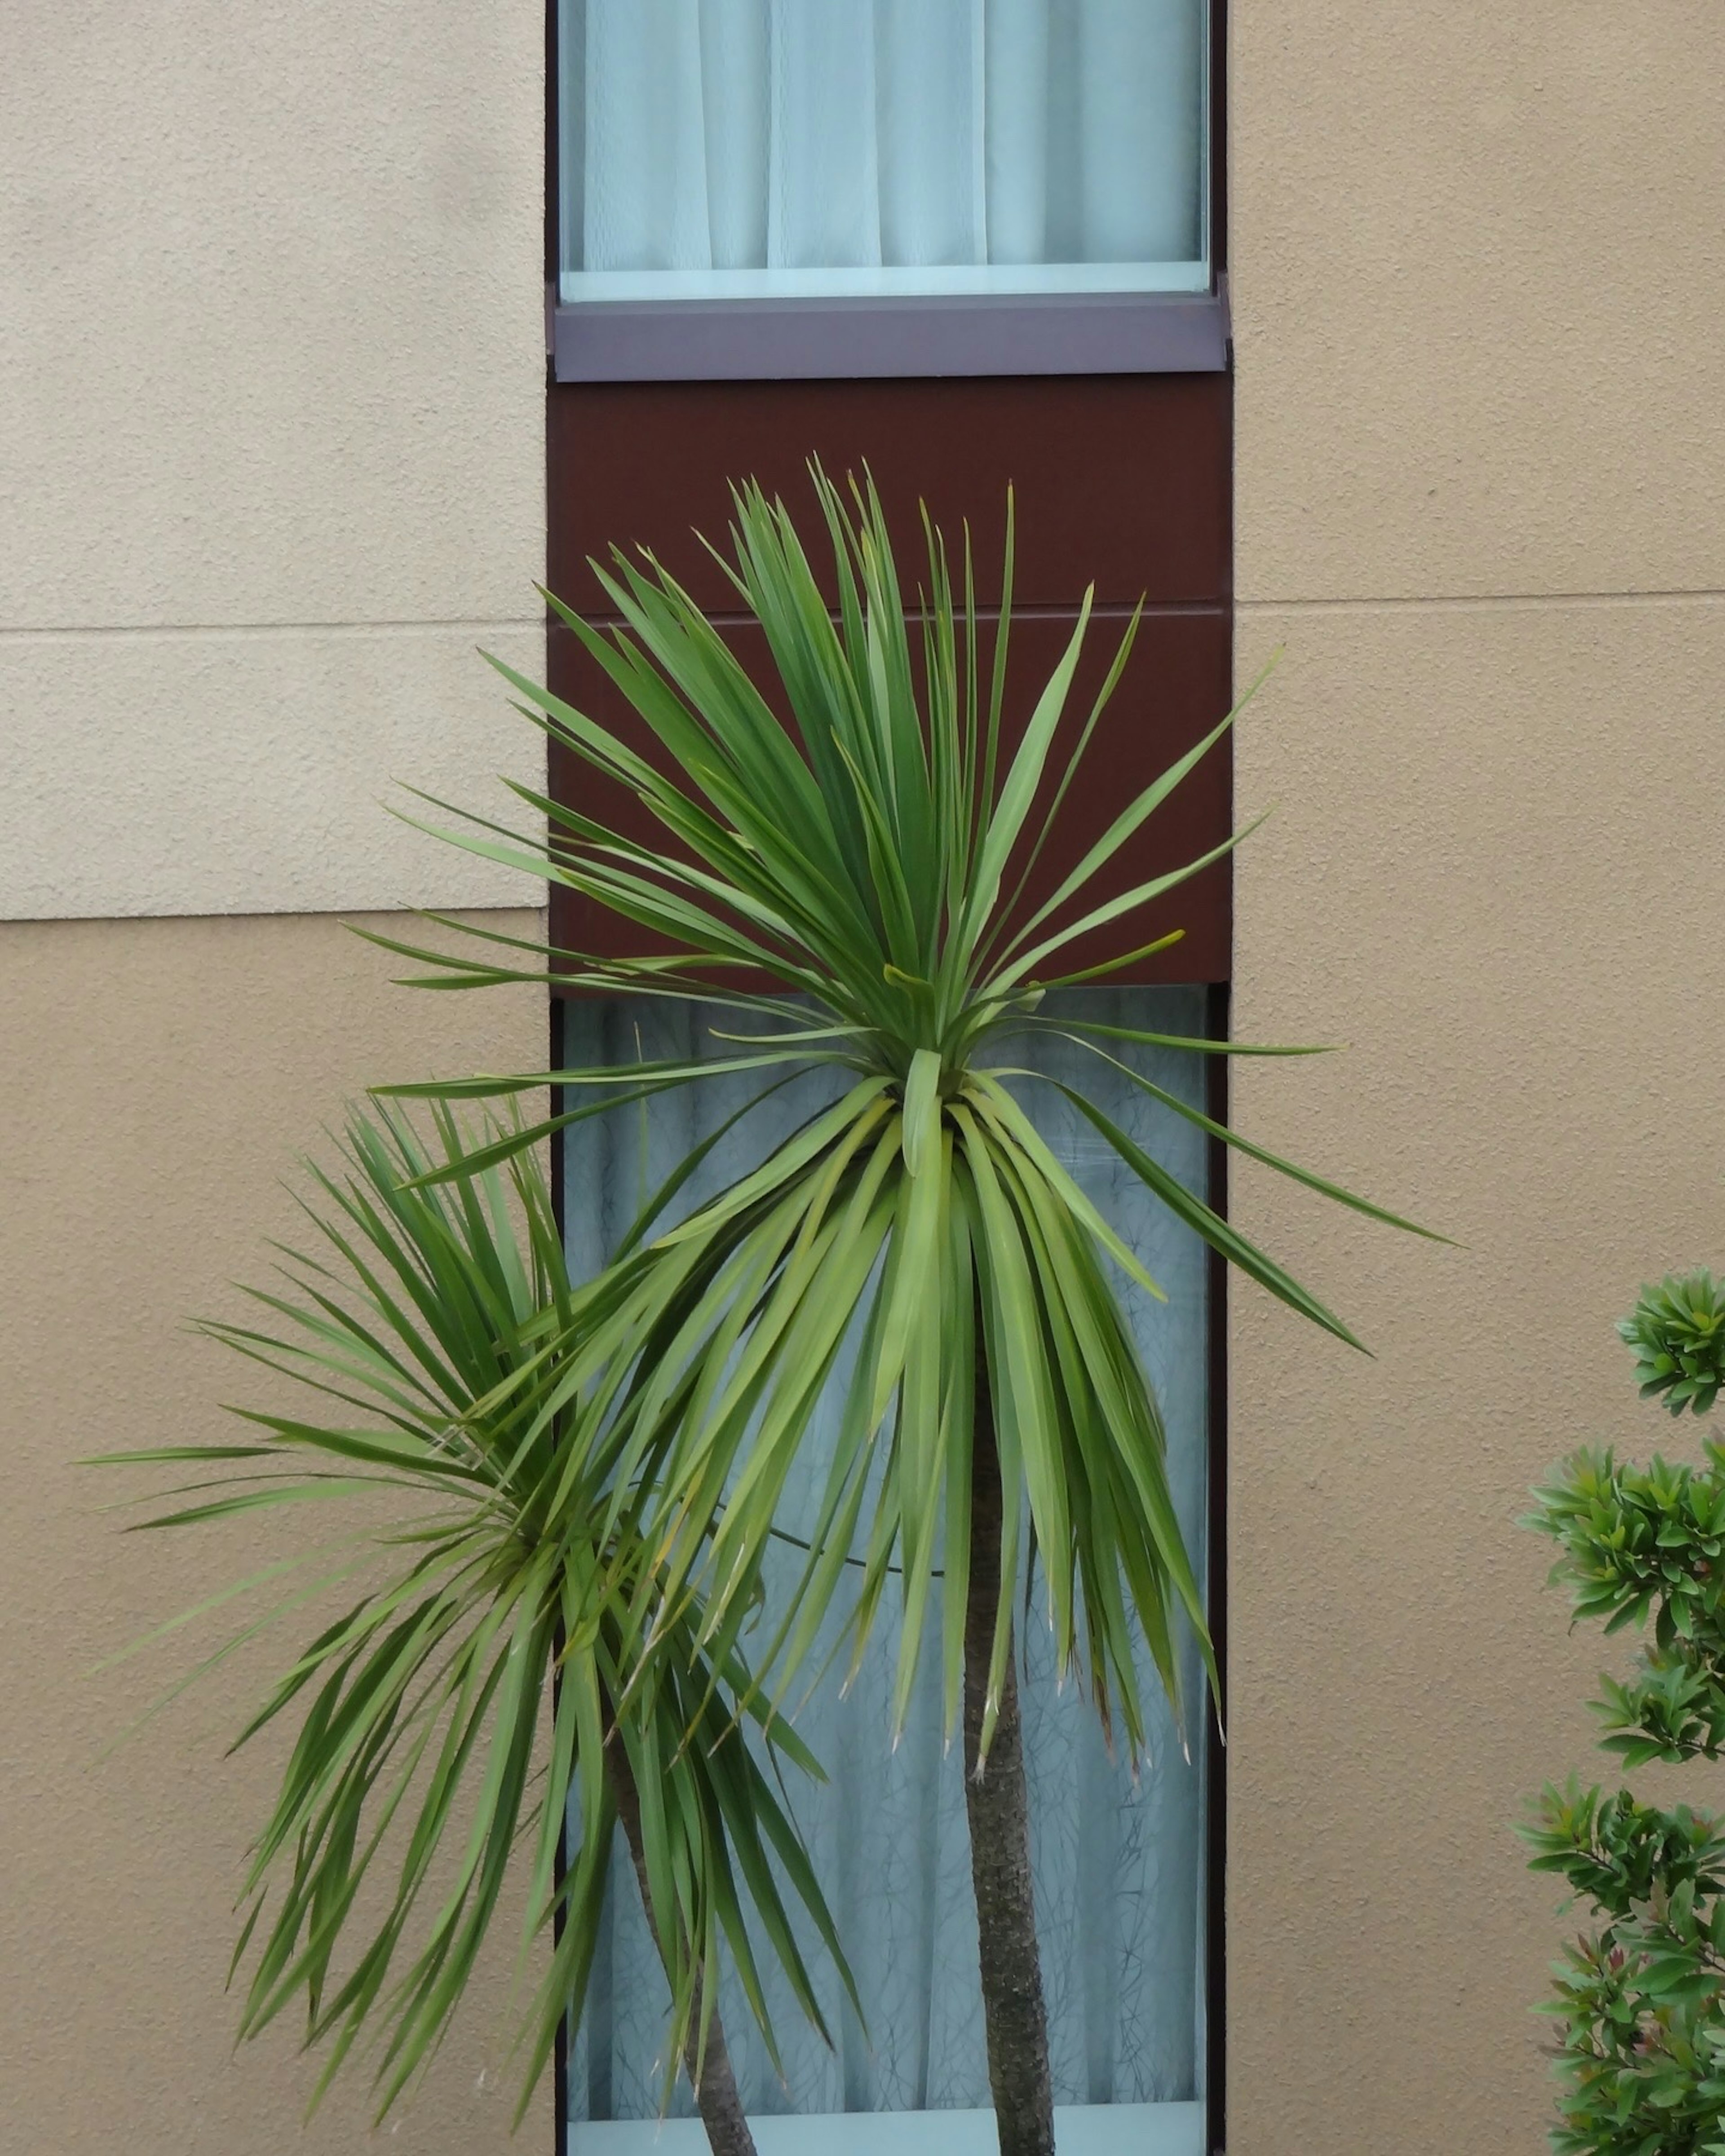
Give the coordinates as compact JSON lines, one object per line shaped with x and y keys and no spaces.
{"x":1118,"y":1864}
{"x":754,"y":145}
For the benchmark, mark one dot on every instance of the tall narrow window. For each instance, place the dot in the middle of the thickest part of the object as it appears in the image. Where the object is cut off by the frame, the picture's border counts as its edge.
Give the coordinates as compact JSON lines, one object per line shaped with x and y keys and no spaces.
{"x":1118,"y":1856}
{"x":772,"y":148}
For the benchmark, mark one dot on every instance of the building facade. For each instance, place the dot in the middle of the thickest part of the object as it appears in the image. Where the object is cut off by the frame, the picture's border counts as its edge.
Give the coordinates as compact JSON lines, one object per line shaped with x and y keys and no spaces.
{"x":274,"y":459}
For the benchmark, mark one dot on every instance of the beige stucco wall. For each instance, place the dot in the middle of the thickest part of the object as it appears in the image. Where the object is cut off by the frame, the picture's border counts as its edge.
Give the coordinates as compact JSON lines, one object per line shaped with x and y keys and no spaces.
{"x":271,"y":466}
{"x":161,"y":1078}
{"x":1480,"y":502}
{"x":271,"y":444}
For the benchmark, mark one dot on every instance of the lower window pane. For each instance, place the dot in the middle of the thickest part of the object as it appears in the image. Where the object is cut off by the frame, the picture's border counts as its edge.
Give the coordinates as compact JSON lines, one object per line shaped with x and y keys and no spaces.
{"x":1118,"y":1859}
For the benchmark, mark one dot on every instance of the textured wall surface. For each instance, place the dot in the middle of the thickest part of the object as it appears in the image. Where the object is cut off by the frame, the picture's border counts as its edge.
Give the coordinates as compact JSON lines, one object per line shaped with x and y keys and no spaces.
{"x":271,"y":444}
{"x":162,"y":1078}
{"x":1481,"y":503}
{"x":1477,"y":282}
{"x":271,"y":464}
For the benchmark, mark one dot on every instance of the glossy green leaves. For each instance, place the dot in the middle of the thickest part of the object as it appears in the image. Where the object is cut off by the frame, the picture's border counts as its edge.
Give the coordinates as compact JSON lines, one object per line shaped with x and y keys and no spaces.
{"x":1640,"y":2000}
{"x":1677,"y":1332}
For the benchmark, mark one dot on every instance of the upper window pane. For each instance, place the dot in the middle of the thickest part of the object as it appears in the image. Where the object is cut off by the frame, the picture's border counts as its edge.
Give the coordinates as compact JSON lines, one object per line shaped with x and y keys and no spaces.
{"x":771,"y":148}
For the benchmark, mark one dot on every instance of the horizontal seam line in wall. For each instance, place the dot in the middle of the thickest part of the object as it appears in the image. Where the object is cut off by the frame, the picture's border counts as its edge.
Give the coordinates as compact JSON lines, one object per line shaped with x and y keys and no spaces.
{"x":71,"y":631}
{"x":337,"y":913}
{"x":1109,"y":610}
{"x":1465,"y":601}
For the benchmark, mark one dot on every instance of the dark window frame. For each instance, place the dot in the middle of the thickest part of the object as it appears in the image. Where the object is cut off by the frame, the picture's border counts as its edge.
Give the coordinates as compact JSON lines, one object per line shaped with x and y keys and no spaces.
{"x":1141,"y":335}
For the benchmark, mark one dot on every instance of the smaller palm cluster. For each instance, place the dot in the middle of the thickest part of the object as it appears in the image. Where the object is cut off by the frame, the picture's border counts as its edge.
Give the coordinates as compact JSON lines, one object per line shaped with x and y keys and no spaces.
{"x":434,"y":1319}
{"x":1640,"y":2000}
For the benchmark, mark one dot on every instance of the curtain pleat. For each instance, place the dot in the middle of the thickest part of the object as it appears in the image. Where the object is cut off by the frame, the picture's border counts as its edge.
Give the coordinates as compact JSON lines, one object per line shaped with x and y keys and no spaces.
{"x":1139,"y":69}
{"x":823,"y":188}
{"x":1017,"y":130}
{"x":734,"y":78}
{"x":856,"y":134}
{"x":929,"y":128}
{"x":646,"y":191}
{"x":1117,"y":1861}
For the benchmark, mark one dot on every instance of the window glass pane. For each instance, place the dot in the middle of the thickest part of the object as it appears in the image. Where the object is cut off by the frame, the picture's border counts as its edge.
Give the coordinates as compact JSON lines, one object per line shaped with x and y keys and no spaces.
{"x":756,"y":148}
{"x":1119,"y":1861}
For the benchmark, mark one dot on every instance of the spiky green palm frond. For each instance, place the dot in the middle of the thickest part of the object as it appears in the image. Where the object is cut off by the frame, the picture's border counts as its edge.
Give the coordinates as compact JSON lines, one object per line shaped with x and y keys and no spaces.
{"x":870,"y":860}
{"x":483,"y":1677}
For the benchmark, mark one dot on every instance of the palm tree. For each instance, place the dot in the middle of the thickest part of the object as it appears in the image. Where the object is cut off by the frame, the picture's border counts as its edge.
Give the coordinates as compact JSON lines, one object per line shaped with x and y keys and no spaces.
{"x":869,"y":864}
{"x":433,"y":1323}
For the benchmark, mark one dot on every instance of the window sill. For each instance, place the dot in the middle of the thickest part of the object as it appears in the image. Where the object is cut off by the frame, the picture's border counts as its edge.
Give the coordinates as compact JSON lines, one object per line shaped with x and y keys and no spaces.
{"x":810,"y":339}
{"x":1122,"y":2129}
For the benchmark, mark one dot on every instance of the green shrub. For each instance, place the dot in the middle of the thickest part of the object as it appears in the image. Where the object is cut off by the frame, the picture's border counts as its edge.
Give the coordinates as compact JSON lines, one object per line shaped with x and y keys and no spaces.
{"x":1638,"y":1998}
{"x":1677,"y":1331}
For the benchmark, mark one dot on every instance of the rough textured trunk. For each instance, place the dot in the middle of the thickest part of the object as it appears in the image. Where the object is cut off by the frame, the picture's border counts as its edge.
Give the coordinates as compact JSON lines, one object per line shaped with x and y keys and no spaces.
{"x":710,"y":2074}
{"x":997,"y":1804}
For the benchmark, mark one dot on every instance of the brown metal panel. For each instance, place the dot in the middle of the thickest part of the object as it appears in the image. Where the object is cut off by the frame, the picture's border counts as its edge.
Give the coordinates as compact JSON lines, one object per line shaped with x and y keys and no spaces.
{"x":1122,"y":480}
{"x":1176,"y":686}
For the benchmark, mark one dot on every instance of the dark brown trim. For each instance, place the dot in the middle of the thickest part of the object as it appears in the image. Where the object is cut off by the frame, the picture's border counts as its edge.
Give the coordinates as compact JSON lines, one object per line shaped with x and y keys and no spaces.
{"x":1215,"y":1884}
{"x":1175,"y":688}
{"x":554,"y":1050}
{"x":1215,"y":1925}
{"x":1121,"y":481}
{"x":560,"y":2051}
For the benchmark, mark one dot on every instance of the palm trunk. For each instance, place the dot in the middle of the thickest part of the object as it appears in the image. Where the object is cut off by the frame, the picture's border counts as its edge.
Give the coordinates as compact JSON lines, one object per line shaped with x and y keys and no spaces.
{"x":710,"y":2075}
{"x":997,"y":1805}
